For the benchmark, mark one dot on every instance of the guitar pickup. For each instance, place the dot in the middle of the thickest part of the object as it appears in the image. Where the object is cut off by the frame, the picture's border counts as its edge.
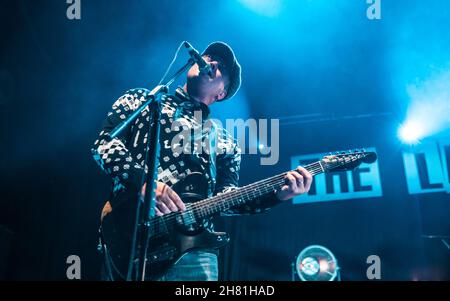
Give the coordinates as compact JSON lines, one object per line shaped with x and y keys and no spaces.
{"x":186,"y":218}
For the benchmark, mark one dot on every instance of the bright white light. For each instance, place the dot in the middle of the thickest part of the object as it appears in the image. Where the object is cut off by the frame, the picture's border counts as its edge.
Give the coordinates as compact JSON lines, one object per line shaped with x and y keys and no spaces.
{"x":324,"y":266}
{"x":269,"y":8}
{"x":261,"y":146}
{"x":411,"y":132}
{"x":429,"y":111}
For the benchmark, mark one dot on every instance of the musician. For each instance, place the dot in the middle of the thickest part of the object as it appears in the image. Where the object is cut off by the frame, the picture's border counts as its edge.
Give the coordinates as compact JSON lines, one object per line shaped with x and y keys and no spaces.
{"x":123,"y":158}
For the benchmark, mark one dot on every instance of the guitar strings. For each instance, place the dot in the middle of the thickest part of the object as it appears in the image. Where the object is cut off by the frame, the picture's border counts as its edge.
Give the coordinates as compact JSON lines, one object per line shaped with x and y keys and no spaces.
{"x":277,"y":179}
{"x":249,"y":192}
{"x":201,"y":208}
{"x":230,"y":195}
{"x":243,"y":189}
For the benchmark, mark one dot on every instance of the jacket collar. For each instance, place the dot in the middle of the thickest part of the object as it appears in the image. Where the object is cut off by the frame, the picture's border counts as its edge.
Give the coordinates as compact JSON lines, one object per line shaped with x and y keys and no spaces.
{"x":191,"y":103}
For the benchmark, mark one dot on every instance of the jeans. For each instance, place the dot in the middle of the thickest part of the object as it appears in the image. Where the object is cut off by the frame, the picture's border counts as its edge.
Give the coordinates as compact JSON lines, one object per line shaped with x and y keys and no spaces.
{"x":194,"y":266}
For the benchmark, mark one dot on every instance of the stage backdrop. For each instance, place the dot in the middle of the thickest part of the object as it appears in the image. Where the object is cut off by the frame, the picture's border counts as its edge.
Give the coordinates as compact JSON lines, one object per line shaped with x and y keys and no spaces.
{"x":335,"y":79}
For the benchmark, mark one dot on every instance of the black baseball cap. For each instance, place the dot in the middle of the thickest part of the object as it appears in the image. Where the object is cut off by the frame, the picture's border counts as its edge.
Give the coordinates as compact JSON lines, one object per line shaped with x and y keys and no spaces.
{"x":225,"y":53}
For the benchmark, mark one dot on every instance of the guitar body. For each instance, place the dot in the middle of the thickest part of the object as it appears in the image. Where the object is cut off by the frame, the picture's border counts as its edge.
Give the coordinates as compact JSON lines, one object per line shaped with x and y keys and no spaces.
{"x":169,"y":240}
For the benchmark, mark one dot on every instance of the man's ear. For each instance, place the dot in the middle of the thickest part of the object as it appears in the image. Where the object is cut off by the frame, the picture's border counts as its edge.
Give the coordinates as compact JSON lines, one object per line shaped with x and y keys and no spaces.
{"x":221,"y":95}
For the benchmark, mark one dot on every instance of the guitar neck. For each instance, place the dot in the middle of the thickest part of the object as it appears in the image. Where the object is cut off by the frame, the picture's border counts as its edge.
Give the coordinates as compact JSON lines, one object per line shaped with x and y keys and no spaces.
{"x":245,"y":194}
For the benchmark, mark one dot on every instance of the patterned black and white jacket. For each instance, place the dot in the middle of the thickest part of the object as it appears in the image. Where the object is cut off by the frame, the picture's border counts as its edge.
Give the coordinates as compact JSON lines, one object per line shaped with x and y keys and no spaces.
{"x":122,"y":158}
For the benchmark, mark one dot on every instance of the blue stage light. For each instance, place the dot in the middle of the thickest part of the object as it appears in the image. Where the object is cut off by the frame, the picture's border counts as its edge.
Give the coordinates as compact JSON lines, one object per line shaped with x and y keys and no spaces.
{"x":410,"y":132}
{"x":428,"y":113}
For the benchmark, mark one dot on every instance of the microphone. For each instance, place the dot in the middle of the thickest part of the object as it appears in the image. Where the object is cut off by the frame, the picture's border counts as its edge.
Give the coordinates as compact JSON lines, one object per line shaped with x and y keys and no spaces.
{"x":203,"y":66}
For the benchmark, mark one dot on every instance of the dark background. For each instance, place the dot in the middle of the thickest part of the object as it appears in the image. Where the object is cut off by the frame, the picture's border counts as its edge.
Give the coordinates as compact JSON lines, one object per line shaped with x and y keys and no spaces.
{"x":59,"y":77}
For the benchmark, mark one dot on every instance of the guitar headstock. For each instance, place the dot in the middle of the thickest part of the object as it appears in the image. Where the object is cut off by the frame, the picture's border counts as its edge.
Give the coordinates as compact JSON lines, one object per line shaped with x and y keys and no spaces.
{"x":347,"y":160}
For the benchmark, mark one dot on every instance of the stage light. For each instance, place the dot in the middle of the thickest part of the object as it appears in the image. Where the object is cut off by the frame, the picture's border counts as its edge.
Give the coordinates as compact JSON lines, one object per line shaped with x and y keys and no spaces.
{"x":410,"y":133}
{"x":428,"y":113}
{"x":317,"y":263}
{"x":268,"y":8}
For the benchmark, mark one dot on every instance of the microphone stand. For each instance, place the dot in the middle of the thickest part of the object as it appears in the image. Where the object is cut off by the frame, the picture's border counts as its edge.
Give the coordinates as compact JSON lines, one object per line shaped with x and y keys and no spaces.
{"x":145,"y":212}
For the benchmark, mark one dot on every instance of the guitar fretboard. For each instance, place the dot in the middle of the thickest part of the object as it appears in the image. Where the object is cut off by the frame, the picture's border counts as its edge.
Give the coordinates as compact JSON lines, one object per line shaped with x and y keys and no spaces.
{"x":245,"y":194}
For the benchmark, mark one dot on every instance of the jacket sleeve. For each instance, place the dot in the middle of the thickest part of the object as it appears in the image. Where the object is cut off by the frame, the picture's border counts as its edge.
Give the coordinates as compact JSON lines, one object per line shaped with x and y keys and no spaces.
{"x":228,"y":166}
{"x":112,"y":155}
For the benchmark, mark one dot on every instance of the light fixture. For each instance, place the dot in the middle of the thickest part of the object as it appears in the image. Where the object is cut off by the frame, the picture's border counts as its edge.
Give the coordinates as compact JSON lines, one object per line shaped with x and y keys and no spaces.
{"x":317,"y":263}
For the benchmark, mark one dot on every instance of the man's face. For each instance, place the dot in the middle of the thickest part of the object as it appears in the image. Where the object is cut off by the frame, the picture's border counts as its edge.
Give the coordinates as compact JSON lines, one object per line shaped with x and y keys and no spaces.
{"x":208,"y":88}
